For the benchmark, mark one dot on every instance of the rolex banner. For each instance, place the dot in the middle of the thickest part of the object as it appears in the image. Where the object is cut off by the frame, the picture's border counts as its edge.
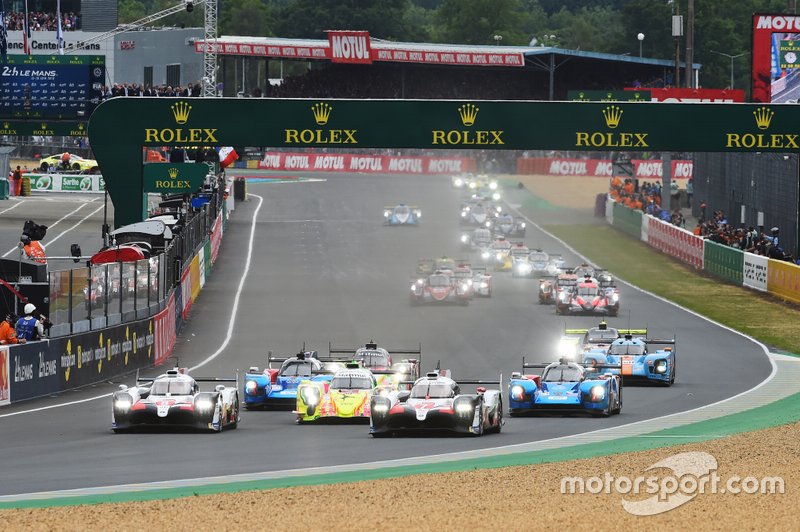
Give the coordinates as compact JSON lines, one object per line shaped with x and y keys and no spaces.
{"x":173,"y":178}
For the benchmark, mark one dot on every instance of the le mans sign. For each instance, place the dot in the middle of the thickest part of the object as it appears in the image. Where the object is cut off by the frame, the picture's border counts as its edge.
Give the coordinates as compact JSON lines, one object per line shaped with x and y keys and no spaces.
{"x":173,"y":178}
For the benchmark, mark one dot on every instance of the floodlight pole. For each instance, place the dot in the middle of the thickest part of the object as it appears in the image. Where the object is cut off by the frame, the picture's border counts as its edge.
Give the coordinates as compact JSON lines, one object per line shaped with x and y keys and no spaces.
{"x":209,"y":82}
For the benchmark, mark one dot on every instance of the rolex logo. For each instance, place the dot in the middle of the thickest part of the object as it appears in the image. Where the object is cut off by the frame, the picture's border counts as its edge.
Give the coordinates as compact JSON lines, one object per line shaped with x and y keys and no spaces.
{"x":181,"y":112}
{"x":468,"y":112}
{"x":173,"y":173}
{"x":612,"y":114}
{"x":322,"y":112}
{"x":44,"y":125}
{"x":763,"y":117}
{"x":6,"y":125}
{"x":80,"y":126}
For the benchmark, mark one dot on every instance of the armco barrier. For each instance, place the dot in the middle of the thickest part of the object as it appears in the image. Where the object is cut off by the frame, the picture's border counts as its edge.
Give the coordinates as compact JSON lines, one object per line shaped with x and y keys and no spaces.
{"x":754,"y":271}
{"x":628,"y":220}
{"x":783,"y":280}
{"x":674,"y":241}
{"x":723,"y":261}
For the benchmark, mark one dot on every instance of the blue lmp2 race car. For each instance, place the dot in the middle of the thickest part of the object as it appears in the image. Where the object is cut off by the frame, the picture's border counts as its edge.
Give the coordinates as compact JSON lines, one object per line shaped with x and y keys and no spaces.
{"x":565,"y":387}
{"x":636,"y":363}
{"x":278,"y":387}
{"x":401,"y":214}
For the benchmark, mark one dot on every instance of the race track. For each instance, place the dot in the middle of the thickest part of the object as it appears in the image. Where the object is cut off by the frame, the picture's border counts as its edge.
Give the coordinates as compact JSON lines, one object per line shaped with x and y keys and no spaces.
{"x":325,"y":269}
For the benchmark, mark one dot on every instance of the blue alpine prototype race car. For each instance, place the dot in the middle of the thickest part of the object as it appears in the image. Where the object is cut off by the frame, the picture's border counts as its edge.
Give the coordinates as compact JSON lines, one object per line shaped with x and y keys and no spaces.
{"x":277,"y":387}
{"x":636,"y":362}
{"x":565,"y":387}
{"x":401,"y":214}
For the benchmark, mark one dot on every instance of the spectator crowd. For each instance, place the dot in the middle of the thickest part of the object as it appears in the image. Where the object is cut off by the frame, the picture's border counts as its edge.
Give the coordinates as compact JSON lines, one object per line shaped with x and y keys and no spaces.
{"x":41,"y":21}
{"x":717,"y":229}
{"x":134,"y":89}
{"x":646,"y":198}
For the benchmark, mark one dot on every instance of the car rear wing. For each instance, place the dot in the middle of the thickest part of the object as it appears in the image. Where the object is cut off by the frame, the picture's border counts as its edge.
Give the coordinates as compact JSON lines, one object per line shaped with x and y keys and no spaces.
{"x":660,"y":341}
{"x":622,"y":332}
{"x":586,"y":367}
{"x":371,"y":345}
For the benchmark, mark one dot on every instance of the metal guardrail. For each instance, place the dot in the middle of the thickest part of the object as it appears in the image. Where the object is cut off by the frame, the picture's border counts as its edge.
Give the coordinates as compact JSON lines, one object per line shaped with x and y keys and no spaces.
{"x":92,"y":297}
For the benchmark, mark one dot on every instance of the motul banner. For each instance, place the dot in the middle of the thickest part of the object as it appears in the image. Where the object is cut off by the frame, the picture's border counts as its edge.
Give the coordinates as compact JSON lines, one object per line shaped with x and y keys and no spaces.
{"x":166,"y":334}
{"x":678,"y":95}
{"x":676,"y":242}
{"x":571,"y":167}
{"x":349,"y":47}
{"x":652,"y":169}
{"x":375,"y":164}
{"x":352,"y":52}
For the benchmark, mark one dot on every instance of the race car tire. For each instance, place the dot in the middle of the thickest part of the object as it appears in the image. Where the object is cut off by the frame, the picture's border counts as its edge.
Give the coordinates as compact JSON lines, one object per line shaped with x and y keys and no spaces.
{"x":499,"y":419}
{"x":76,"y":166}
{"x":381,"y":434}
{"x":617,"y":409}
{"x":44,"y":167}
{"x":480,"y":425}
{"x":235,"y":414}
{"x":120,"y":431}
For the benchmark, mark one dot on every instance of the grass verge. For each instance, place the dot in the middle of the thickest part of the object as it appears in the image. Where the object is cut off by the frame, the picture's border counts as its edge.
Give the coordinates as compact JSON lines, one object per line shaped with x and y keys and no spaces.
{"x":759,"y":315}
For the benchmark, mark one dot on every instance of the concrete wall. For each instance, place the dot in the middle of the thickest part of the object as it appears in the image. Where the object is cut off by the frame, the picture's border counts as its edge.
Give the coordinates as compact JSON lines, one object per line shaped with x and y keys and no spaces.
{"x":157,"y":48}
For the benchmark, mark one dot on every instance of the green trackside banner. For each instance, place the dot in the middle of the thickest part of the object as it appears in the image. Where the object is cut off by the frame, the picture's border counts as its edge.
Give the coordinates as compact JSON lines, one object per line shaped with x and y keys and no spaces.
{"x":53,"y":128}
{"x":723,"y":261}
{"x":173,"y":178}
{"x":119,"y":128}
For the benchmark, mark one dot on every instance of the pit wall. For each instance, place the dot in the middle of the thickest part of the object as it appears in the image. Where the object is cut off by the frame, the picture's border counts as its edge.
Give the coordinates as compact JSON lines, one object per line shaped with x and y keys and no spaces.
{"x":779,"y":278}
{"x":50,"y":366}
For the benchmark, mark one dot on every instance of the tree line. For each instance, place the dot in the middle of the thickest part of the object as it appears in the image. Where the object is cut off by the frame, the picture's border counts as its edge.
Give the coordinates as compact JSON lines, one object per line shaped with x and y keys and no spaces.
{"x":609,"y":26}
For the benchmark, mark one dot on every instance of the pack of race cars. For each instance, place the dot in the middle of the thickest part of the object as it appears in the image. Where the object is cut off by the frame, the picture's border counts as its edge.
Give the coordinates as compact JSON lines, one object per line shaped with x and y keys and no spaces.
{"x":388,"y":389}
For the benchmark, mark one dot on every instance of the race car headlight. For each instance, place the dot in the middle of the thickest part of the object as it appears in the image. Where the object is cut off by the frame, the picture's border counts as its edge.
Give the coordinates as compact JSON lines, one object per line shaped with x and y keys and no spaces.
{"x":541,"y":286}
{"x":386,"y":214}
{"x":310,"y":395}
{"x":522,"y":225}
{"x":464,"y":287}
{"x":496,"y":196}
{"x":204,"y":405}
{"x":418,"y":214}
{"x":525,"y":268}
{"x":493,"y":185}
{"x":517,"y":392}
{"x":598,"y":393}
{"x":499,"y":208}
{"x":123,"y":404}
{"x":562,"y":296}
{"x":484,"y":284}
{"x":464,"y":408}
{"x":414,"y":287}
{"x":459,"y":182}
{"x":464,"y":213}
{"x":614,"y":297}
{"x":380,"y":408}
{"x":472,"y":184}
{"x":250,"y":387}
{"x":499,"y":256}
{"x":661,"y":366}
{"x":464,"y":239}
{"x":488,"y":223}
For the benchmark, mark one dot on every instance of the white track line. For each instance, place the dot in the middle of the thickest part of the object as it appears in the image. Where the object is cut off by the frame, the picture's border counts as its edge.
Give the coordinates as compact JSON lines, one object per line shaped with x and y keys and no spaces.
{"x":239,"y":289}
{"x":81,"y":206}
{"x":214,"y":355}
{"x":17,"y":204}
{"x":79,"y":222}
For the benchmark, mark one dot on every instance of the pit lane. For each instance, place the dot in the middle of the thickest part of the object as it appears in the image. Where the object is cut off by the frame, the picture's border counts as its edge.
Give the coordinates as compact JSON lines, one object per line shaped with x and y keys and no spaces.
{"x":325,"y":269}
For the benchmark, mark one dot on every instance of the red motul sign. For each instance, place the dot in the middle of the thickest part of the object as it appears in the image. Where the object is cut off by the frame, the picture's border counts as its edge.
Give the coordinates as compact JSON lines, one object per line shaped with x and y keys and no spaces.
{"x":350,"y":47}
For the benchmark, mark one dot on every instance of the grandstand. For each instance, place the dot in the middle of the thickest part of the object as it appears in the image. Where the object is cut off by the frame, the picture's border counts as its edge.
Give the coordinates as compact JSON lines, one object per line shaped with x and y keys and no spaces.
{"x":250,"y":66}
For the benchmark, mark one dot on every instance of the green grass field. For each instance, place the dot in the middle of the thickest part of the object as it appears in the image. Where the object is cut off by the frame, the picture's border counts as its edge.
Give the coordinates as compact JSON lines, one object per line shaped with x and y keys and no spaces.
{"x":763,"y":317}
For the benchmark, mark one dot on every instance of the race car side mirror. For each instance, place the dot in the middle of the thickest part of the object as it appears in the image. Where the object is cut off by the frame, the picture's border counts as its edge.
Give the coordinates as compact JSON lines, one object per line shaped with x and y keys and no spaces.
{"x":123,"y":387}
{"x":403,"y":396}
{"x":219,"y":387}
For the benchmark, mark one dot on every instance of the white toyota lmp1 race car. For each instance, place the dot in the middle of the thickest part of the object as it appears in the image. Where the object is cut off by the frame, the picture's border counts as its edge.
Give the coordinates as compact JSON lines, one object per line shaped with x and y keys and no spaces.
{"x":174,"y":399}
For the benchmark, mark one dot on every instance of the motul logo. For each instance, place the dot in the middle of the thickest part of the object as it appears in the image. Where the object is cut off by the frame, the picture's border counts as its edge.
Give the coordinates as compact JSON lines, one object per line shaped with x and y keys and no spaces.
{"x":768,"y":22}
{"x":350,"y":46}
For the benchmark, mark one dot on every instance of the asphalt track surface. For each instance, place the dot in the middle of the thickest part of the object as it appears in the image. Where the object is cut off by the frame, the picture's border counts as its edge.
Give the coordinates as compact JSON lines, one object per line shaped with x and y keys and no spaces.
{"x":325,"y":269}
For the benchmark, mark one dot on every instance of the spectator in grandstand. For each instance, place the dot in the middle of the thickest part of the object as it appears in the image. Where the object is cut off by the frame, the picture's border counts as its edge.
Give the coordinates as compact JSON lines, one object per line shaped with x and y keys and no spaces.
{"x":40,"y":21}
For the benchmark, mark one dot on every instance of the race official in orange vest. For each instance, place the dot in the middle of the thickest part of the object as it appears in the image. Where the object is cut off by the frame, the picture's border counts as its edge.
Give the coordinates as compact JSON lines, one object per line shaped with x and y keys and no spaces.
{"x":34,"y":251}
{"x":7,"y":333}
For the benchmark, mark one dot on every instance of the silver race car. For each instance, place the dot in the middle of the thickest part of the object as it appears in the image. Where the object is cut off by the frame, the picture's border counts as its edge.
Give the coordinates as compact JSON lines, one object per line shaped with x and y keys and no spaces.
{"x":174,"y":399}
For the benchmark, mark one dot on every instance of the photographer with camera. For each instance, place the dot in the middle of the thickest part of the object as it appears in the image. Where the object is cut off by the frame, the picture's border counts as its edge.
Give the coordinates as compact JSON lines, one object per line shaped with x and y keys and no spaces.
{"x":30,"y":327}
{"x":32,"y":233}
